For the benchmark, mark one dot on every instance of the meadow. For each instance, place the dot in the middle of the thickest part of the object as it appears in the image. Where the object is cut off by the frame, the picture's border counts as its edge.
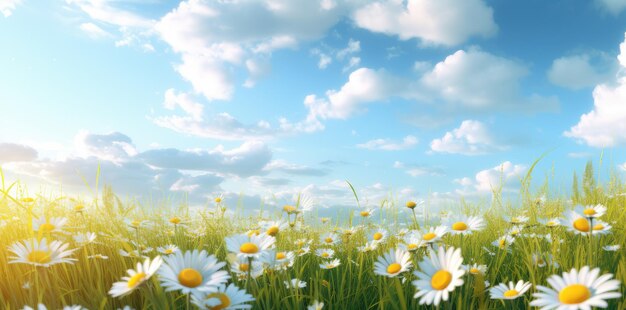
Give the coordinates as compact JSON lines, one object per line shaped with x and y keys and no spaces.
{"x":538,"y":250}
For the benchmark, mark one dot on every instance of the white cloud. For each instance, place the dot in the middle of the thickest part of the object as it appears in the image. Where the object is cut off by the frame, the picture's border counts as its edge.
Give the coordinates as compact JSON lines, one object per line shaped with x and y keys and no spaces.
{"x":257,"y":69}
{"x":293,"y":169}
{"x":115,"y":147}
{"x":580,"y":71}
{"x":505,"y":177}
{"x":94,"y":31}
{"x":185,"y":102}
{"x":324,"y":61}
{"x":11,"y":152}
{"x":389,"y":145}
{"x":471,"y":138}
{"x":605,"y":125}
{"x":442,"y":22}
{"x":8,"y":6}
{"x":622,"y":167}
{"x":613,"y":6}
{"x":478,"y":80}
{"x":208,"y":76}
{"x":354,"y":46}
{"x":352,"y":63}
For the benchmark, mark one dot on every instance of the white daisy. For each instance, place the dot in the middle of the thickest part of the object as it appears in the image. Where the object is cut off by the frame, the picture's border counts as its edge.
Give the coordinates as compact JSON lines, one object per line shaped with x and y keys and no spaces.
{"x":249,"y":246}
{"x":439,"y":275}
{"x":517,"y":220}
{"x":611,"y":248}
{"x":223,"y":297}
{"x":368,"y":247}
{"x":241,"y":267}
{"x":325,"y":253}
{"x":98,"y":256}
{"x":331,"y":264}
{"x":591,"y":211}
{"x":295,"y":283}
{"x":330,"y":239}
{"x":577,"y":289}
{"x":303,"y":242}
{"x":551,"y":223}
{"x":40,"y":253}
{"x":272,"y":228}
{"x":84,"y":239}
{"x":515,"y":231}
{"x":49,"y":225}
{"x":135,"y":277}
{"x":476,"y":269}
{"x":393,"y":263}
{"x":278,"y":260}
{"x":316,"y":305}
{"x":168,"y":249}
{"x":466,"y":225}
{"x":542,"y":260}
{"x":510,"y":291}
{"x":367,"y":212}
{"x":191,"y":271}
{"x":503,"y":242}
{"x":580,"y":225}
{"x":303,"y":251}
{"x":379,"y":235}
{"x":434,"y":234}
{"x":412,"y":242}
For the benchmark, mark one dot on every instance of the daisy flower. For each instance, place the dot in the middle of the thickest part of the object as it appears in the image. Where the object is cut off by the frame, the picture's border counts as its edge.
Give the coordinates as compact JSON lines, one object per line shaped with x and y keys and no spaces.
{"x":302,"y":242}
{"x":136,"y":224}
{"x":51,"y":225}
{"x":331,"y":264}
{"x":577,"y":289}
{"x":601,"y":227}
{"x":439,"y":275}
{"x":40,"y":253}
{"x":379,"y":235}
{"x":503,"y":242}
{"x":367,"y":212}
{"x":476,"y":269}
{"x":135,"y":277}
{"x":223,"y":297}
{"x":295,"y":283}
{"x":412,"y":242}
{"x":303,"y":251}
{"x":241,"y":266}
{"x":580,"y":225}
{"x":325,"y":253}
{"x":393,"y":263}
{"x":551,"y":223}
{"x":272,"y":228}
{"x":98,"y":256}
{"x":510,"y":291}
{"x":434,"y":234}
{"x":368,"y":247}
{"x":542,"y":260}
{"x":591,"y":211}
{"x":517,"y":220}
{"x":168,"y":249}
{"x":84,"y":239}
{"x":316,"y":305}
{"x":191,"y":271}
{"x":175,"y":220}
{"x":515,"y":231}
{"x":611,"y":248}
{"x":249,"y":246}
{"x":278,"y":260}
{"x":466,"y":225}
{"x":330,"y":239}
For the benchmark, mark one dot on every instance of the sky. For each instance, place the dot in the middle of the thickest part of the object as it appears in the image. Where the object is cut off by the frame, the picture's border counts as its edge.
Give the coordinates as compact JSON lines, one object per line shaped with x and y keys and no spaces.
{"x":262,"y":100}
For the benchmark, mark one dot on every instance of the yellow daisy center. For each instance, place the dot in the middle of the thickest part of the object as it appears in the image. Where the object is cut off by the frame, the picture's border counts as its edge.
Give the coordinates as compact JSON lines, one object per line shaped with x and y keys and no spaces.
{"x":378,"y":236}
{"x":190,"y":277}
{"x":394,"y":268}
{"x":249,"y":248}
{"x":328,"y":240}
{"x":289,"y":209}
{"x":598,"y":227}
{"x":429,"y":236}
{"x":169,"y":251}
{"x":511,"y":293}
{"x":46,"y":227}
{"x":218,"y":200}
{"x":440,"y":280}
{"x":280,"y":255}
{"x":272,"y":231}
{"x":79,"y":208}
{"x":365,"y":213}
{"x":330,"y":266}
{"x":574,"y":294}
{"x":412,"y":247}
{"x":459,"y":226}
{"x":325,"y":254}
{"x":175,"y":220}
{"x":589,"y":212}
{"x":502,"y":243}
{"x":224,"y":300}
{"x":474,"y":270}
{"x":38,"y":256}
{"x":515,"y":220}
{"x":136,"y":279}
{"x":581,"y":224}
{"x":411,"y":204}
{"x":244,"y":267}
{"x":551,"y":223}
{"x":135,"y":223}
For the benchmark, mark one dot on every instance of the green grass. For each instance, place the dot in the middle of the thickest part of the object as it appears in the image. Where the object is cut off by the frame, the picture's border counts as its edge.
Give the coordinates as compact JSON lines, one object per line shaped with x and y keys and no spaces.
{"x":352,"y":285}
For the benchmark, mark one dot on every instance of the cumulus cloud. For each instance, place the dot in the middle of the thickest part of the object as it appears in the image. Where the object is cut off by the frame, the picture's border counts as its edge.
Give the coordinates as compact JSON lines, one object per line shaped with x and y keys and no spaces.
{"x":614,"y":7}
{"x":114,"y":147}
{"x":8,"y":6}
{"x":605,"y":125}
{"x":580,"y":71}
{"x":505,"y":177}
{"x":11,"y":152}
{"x":471,"y":138}
{"x":389,"y":145}
{"x":443,"y":22}
{"x":293,"y":169}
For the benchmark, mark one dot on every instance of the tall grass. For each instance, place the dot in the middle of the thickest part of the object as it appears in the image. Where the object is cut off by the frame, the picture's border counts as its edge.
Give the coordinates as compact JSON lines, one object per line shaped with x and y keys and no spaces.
{"x":352,"y":285}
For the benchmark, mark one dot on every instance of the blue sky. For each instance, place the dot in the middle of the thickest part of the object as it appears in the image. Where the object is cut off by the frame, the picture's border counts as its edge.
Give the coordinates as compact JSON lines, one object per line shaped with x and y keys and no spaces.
{"x":432,"y":100}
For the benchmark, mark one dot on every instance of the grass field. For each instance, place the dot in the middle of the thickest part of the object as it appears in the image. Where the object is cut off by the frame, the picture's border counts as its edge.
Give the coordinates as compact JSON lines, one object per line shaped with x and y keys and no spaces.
{"x":63,"y":251}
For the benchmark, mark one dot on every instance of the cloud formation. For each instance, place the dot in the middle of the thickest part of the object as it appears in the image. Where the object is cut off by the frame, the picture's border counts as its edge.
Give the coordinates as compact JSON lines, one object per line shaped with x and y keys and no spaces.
{"x":471,"y":138}
{"x":388,"y":145}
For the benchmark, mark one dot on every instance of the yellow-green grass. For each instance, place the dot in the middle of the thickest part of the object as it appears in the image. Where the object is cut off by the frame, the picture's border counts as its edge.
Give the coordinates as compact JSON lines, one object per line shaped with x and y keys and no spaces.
{"x":352,"y":285}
